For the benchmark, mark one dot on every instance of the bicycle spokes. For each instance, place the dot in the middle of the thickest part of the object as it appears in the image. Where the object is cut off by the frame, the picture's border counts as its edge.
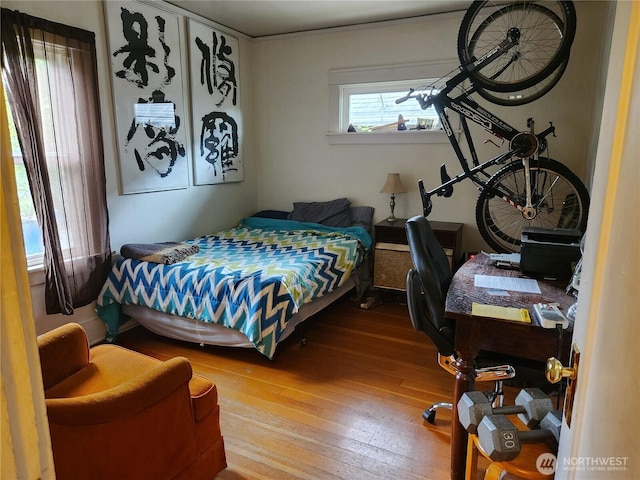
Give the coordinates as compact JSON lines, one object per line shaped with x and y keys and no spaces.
{"x":558,"y":199}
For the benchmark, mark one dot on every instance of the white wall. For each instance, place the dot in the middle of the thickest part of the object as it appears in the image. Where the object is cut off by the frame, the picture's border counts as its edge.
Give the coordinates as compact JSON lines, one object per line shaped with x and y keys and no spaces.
{"x":297,"y":163}
{"x":150,"y":217}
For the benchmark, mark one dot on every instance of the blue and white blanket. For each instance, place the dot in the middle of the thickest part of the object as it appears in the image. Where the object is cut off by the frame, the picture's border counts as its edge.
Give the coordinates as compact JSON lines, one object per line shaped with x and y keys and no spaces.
{"x":252,"y":278}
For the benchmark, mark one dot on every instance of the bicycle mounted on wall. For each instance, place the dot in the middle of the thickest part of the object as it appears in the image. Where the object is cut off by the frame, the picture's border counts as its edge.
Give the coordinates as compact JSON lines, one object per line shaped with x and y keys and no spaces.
{"x":512,"y":54}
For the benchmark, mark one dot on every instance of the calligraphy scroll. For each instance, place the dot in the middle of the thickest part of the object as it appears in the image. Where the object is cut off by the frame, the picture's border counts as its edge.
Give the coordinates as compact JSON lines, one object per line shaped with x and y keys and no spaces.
{"x":144,"y":49}
{"x":216,"y":114}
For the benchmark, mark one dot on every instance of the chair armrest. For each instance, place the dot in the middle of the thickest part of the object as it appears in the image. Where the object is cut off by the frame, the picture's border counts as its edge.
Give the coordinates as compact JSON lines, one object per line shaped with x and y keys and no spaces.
{"x":63,"y":351}
{"x":495,"y":373}
{"x":123,"y":401}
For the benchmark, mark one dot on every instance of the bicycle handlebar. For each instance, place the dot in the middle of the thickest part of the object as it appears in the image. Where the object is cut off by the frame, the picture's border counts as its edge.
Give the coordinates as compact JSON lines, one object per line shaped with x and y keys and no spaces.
{"x":406,"y":97}
{"x":425,"y":101}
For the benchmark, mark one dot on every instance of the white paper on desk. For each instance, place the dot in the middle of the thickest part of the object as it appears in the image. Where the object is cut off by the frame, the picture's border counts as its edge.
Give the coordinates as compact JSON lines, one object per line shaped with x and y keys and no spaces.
{"x":496,"y":282}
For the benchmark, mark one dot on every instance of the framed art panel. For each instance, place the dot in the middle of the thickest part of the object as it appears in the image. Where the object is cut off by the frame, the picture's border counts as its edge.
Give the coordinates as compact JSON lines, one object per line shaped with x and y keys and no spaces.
{"x":144,"y":47}
{"x":215,"y":111}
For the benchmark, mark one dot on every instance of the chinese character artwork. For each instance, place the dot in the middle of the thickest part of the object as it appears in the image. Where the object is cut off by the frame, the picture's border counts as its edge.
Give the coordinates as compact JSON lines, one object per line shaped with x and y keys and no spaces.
{"x":219,"y":142}
{"x":216,"y":115}
{"x":144,"y":47}
{"x":160,"y":149}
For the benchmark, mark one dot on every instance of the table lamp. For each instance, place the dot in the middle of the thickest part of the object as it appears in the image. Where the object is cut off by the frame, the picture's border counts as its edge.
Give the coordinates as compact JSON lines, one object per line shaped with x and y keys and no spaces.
{"x":393,"y":185}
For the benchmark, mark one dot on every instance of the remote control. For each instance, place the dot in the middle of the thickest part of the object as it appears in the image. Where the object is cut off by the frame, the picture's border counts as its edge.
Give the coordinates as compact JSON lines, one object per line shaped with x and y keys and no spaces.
{"x":550,"y":315}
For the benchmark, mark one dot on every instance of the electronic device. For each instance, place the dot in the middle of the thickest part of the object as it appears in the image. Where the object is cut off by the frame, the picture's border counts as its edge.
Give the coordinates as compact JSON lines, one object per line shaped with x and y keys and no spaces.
{"x":549,"y":252}
{"x":550,"y":315}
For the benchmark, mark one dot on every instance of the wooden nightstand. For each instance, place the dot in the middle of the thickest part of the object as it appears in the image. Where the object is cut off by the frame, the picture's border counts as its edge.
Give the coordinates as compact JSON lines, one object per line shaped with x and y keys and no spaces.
{"x":392,"y":259}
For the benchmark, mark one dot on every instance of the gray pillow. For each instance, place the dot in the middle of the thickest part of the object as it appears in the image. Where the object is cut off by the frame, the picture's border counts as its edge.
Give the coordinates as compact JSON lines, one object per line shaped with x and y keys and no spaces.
{"x":362,"y":216}
{"x":335,"y":213}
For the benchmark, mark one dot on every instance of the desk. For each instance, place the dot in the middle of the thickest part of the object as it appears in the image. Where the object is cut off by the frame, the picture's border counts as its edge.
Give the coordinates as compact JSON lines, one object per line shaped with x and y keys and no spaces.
{"x":524,"y":340}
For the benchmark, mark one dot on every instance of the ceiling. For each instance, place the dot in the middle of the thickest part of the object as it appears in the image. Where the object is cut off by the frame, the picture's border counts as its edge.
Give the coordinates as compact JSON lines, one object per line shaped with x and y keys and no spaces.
{"x":260,"y":18}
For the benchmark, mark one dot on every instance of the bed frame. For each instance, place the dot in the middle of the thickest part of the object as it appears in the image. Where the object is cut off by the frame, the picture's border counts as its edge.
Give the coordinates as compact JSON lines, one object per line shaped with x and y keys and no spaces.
{"x":196,"y":331}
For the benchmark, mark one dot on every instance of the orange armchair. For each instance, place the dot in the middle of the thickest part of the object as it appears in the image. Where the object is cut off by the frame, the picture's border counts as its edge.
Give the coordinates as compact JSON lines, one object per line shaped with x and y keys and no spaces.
{"x":115,"y":413}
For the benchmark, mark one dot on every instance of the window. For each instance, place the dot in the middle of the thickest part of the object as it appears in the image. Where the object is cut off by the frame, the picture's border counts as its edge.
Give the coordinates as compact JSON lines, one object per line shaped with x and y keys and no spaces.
{"x":49,"y":72}
{"x":364,"y":109}
{"x":31,"y":234}
{"x":372,"y":107}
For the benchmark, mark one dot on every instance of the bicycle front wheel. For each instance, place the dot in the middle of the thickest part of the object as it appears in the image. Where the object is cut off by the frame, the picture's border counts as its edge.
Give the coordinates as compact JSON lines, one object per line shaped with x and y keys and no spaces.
{"x":559,"y":198}
{"x":542,"y":32}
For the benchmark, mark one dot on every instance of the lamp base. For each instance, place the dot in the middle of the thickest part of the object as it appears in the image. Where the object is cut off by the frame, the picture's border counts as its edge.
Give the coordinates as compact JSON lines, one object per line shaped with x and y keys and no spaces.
{"x":392,"y":204}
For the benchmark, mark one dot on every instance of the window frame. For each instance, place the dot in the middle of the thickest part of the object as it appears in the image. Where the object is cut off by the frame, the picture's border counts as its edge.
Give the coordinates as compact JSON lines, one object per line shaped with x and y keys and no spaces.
{"x":344,"y":81}
{"x":402,"y":87}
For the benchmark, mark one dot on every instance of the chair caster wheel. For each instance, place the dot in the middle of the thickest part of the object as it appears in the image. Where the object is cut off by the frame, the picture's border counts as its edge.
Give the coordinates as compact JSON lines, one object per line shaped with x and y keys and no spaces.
{"x":430,"y":416}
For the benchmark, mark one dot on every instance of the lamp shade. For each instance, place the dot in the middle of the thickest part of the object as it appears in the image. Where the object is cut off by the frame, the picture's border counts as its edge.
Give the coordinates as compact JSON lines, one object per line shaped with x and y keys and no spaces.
{"x":393,"y":184}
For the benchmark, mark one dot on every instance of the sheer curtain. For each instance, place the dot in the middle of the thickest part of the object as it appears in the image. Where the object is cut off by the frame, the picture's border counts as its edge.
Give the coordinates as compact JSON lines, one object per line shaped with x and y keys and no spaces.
{"x":50,"y":74}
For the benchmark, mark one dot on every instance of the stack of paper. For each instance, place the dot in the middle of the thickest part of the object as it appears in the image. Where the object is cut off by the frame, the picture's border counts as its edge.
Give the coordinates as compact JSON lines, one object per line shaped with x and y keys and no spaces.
{"x":505,"y":313}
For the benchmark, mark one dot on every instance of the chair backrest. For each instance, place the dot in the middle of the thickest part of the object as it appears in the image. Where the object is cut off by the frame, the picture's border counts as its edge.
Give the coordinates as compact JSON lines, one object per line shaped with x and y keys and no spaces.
{"x":427,"y":248}
{"x":427,"y":285}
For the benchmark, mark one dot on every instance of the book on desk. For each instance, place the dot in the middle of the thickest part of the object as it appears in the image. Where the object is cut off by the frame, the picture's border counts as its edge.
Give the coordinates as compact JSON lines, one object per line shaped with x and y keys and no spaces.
{"x":505,"y":313}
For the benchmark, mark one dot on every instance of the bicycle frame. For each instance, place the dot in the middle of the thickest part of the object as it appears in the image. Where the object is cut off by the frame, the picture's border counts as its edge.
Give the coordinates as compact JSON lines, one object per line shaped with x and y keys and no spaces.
{"x":523,"y":145}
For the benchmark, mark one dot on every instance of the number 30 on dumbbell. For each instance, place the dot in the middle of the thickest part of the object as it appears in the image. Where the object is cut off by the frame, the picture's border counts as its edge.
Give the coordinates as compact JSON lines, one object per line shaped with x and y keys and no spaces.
{"x":500,"y":439}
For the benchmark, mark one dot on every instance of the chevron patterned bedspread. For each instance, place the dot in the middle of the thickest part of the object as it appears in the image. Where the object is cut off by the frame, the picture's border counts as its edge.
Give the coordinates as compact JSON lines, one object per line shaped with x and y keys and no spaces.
{"x":252,"y":278}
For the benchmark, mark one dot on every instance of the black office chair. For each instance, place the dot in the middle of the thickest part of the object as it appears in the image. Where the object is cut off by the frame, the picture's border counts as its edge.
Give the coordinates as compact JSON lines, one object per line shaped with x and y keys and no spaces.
{"x":427,"y":285}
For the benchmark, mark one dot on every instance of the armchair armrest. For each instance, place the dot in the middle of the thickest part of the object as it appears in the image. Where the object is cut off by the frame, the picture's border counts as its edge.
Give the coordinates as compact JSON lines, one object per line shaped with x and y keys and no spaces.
{"x":125,"y":400}
{"x":63,"y":352}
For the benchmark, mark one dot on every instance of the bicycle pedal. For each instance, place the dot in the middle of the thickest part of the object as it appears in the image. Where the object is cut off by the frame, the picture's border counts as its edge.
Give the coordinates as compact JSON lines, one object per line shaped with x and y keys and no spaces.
{"x":443,"y":173}
{"x":448,"y":190}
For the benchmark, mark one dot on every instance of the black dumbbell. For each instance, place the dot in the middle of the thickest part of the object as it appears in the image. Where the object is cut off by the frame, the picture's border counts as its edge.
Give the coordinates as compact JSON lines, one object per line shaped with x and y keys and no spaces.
{"x":500,"y":439}
{"x":531,"y":403}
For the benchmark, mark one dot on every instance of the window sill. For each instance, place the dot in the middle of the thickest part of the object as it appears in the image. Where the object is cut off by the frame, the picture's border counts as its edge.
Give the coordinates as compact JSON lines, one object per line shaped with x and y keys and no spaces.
{"x":372,"y":138}
{"x":36,"y":275}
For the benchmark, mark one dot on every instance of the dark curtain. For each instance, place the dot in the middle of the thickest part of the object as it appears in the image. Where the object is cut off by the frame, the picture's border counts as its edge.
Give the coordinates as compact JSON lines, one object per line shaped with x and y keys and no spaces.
{"x":50,"y":74}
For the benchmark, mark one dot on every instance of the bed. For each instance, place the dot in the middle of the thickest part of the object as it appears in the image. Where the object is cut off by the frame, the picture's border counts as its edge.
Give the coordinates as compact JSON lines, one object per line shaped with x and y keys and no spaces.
{"x":247,"y":286}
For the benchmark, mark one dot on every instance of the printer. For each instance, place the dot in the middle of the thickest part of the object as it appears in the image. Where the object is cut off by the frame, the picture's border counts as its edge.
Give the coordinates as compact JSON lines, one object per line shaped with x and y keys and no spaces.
{"x":549,"y":252}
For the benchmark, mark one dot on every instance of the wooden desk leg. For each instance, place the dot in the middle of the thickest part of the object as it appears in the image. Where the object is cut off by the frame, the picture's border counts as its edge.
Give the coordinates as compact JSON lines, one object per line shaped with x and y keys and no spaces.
{"x":464,"y":382}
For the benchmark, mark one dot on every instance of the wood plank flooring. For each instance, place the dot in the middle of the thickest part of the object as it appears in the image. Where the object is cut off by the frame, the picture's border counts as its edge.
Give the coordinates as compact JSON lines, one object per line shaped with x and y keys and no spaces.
{"x":347,"y":405}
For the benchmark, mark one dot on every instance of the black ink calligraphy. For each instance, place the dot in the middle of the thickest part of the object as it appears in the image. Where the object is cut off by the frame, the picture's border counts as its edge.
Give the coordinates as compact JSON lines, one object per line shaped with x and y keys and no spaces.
{"x":219,"y":142}
{"x":217,"y":69}
{"x":137,"y":63}
{"x":161,"y":149}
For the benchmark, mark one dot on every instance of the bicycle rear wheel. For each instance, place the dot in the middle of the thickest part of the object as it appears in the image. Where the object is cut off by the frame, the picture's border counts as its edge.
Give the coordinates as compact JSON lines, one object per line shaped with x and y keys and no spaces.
{"x":526,"y":95}
{"x":543,"y":33}
{"x":558,"y":196}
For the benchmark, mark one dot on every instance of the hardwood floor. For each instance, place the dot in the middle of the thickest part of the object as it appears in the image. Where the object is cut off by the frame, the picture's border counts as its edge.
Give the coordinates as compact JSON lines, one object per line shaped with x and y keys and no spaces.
{"x":347,"y":405}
